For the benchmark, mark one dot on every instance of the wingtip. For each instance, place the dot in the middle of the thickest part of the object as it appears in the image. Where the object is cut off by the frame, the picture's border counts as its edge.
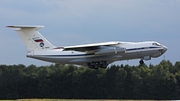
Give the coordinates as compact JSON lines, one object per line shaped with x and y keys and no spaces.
{"x":10,"y":26}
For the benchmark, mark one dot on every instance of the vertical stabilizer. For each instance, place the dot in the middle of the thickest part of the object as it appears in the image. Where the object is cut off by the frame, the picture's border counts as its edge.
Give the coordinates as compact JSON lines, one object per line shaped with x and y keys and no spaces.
{"x":32,"y":38}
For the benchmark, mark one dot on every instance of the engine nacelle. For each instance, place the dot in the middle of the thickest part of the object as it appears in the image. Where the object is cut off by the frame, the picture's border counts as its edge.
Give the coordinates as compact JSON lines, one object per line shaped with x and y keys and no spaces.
{"x":110,"y":50}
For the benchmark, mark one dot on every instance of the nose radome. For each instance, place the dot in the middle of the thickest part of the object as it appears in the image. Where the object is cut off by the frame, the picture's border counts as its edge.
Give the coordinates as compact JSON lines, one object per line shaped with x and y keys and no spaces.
{"x":164,"y":49}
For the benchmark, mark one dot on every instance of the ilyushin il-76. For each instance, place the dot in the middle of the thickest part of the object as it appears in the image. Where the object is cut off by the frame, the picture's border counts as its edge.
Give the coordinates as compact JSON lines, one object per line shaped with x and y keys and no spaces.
{"x":97,"y":55}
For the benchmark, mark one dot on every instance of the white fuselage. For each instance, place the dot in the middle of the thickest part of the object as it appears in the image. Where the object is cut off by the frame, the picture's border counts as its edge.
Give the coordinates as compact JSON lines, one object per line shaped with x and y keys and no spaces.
{"x":133,"y":50}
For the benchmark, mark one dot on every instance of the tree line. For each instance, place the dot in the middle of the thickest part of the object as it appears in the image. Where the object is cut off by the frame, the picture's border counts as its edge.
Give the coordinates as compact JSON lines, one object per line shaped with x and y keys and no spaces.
{"x":57,"y":81}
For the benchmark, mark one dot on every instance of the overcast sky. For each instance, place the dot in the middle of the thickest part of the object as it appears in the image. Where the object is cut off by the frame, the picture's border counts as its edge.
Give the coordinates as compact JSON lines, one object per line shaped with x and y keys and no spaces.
{"x":73,"y":22}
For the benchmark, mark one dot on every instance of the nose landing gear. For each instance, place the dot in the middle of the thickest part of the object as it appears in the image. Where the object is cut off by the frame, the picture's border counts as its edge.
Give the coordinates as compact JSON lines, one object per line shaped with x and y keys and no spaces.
{"x":141,"y":62}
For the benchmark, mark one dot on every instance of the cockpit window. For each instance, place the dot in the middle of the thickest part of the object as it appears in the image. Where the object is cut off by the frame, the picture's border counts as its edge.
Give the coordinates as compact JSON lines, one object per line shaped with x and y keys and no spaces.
{"x":157,"y":44}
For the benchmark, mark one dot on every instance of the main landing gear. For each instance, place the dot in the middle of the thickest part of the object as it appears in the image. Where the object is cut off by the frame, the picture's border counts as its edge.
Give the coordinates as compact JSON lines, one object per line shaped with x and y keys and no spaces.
{"x":141,"y":62}
{"x":97,"y":64}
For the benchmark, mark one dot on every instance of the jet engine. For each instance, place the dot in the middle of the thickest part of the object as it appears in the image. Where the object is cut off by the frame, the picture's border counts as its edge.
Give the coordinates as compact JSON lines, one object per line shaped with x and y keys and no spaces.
{"x":110,"y":50}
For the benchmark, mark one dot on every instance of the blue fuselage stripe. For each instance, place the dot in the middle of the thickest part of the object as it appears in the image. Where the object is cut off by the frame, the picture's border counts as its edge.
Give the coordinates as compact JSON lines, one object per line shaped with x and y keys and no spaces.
{"x":69,"y":55}
{"x":132,"y":49}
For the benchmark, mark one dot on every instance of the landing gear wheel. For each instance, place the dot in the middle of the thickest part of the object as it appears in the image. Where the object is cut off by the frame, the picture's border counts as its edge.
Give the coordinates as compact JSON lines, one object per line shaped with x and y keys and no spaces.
{"x":97,"y":64}
{"x":141,"y":62}
{"x":103,"y":64}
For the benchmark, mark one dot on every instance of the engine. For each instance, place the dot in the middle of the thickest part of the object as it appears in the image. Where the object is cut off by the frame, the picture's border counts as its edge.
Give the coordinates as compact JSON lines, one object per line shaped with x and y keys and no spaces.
{"x":110,"y":50}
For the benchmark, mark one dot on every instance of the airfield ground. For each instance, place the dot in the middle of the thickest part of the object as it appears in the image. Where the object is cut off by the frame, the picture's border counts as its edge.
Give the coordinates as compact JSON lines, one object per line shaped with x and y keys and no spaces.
{"x":76,"y":100}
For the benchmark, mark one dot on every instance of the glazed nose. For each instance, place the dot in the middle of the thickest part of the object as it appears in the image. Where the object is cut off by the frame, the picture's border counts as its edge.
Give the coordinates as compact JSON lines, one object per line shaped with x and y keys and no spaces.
{"x":164,"y":49}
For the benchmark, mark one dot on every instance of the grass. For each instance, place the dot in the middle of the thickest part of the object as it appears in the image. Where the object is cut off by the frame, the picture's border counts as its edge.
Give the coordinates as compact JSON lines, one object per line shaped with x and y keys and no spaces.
{"x":75,"y":100}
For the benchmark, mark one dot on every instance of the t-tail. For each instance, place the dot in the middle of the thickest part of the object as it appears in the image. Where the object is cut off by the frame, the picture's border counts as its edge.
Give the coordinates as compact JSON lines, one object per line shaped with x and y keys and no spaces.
{"x":32,"y":38}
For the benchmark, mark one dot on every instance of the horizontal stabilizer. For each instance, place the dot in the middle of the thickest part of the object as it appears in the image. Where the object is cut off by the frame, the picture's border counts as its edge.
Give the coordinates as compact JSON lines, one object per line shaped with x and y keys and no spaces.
{"x":26,"y":26}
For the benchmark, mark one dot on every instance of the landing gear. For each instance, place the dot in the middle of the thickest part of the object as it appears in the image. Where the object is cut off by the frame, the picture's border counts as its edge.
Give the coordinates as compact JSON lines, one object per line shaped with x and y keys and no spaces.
{"x":141,"y":62}
{"x":97,"y":64}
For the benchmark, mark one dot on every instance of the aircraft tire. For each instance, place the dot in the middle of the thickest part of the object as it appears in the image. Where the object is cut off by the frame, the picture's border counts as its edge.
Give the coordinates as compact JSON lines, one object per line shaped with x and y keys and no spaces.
{"x":97,"y":65}
{"x":141,"y":62}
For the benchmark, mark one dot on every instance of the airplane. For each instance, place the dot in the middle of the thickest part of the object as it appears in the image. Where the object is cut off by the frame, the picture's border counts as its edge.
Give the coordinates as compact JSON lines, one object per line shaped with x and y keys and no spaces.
{"x":97,"y":55}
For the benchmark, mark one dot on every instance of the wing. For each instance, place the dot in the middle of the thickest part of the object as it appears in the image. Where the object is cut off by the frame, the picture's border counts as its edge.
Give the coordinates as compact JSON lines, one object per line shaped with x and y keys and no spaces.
{"x":89,"y":47}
